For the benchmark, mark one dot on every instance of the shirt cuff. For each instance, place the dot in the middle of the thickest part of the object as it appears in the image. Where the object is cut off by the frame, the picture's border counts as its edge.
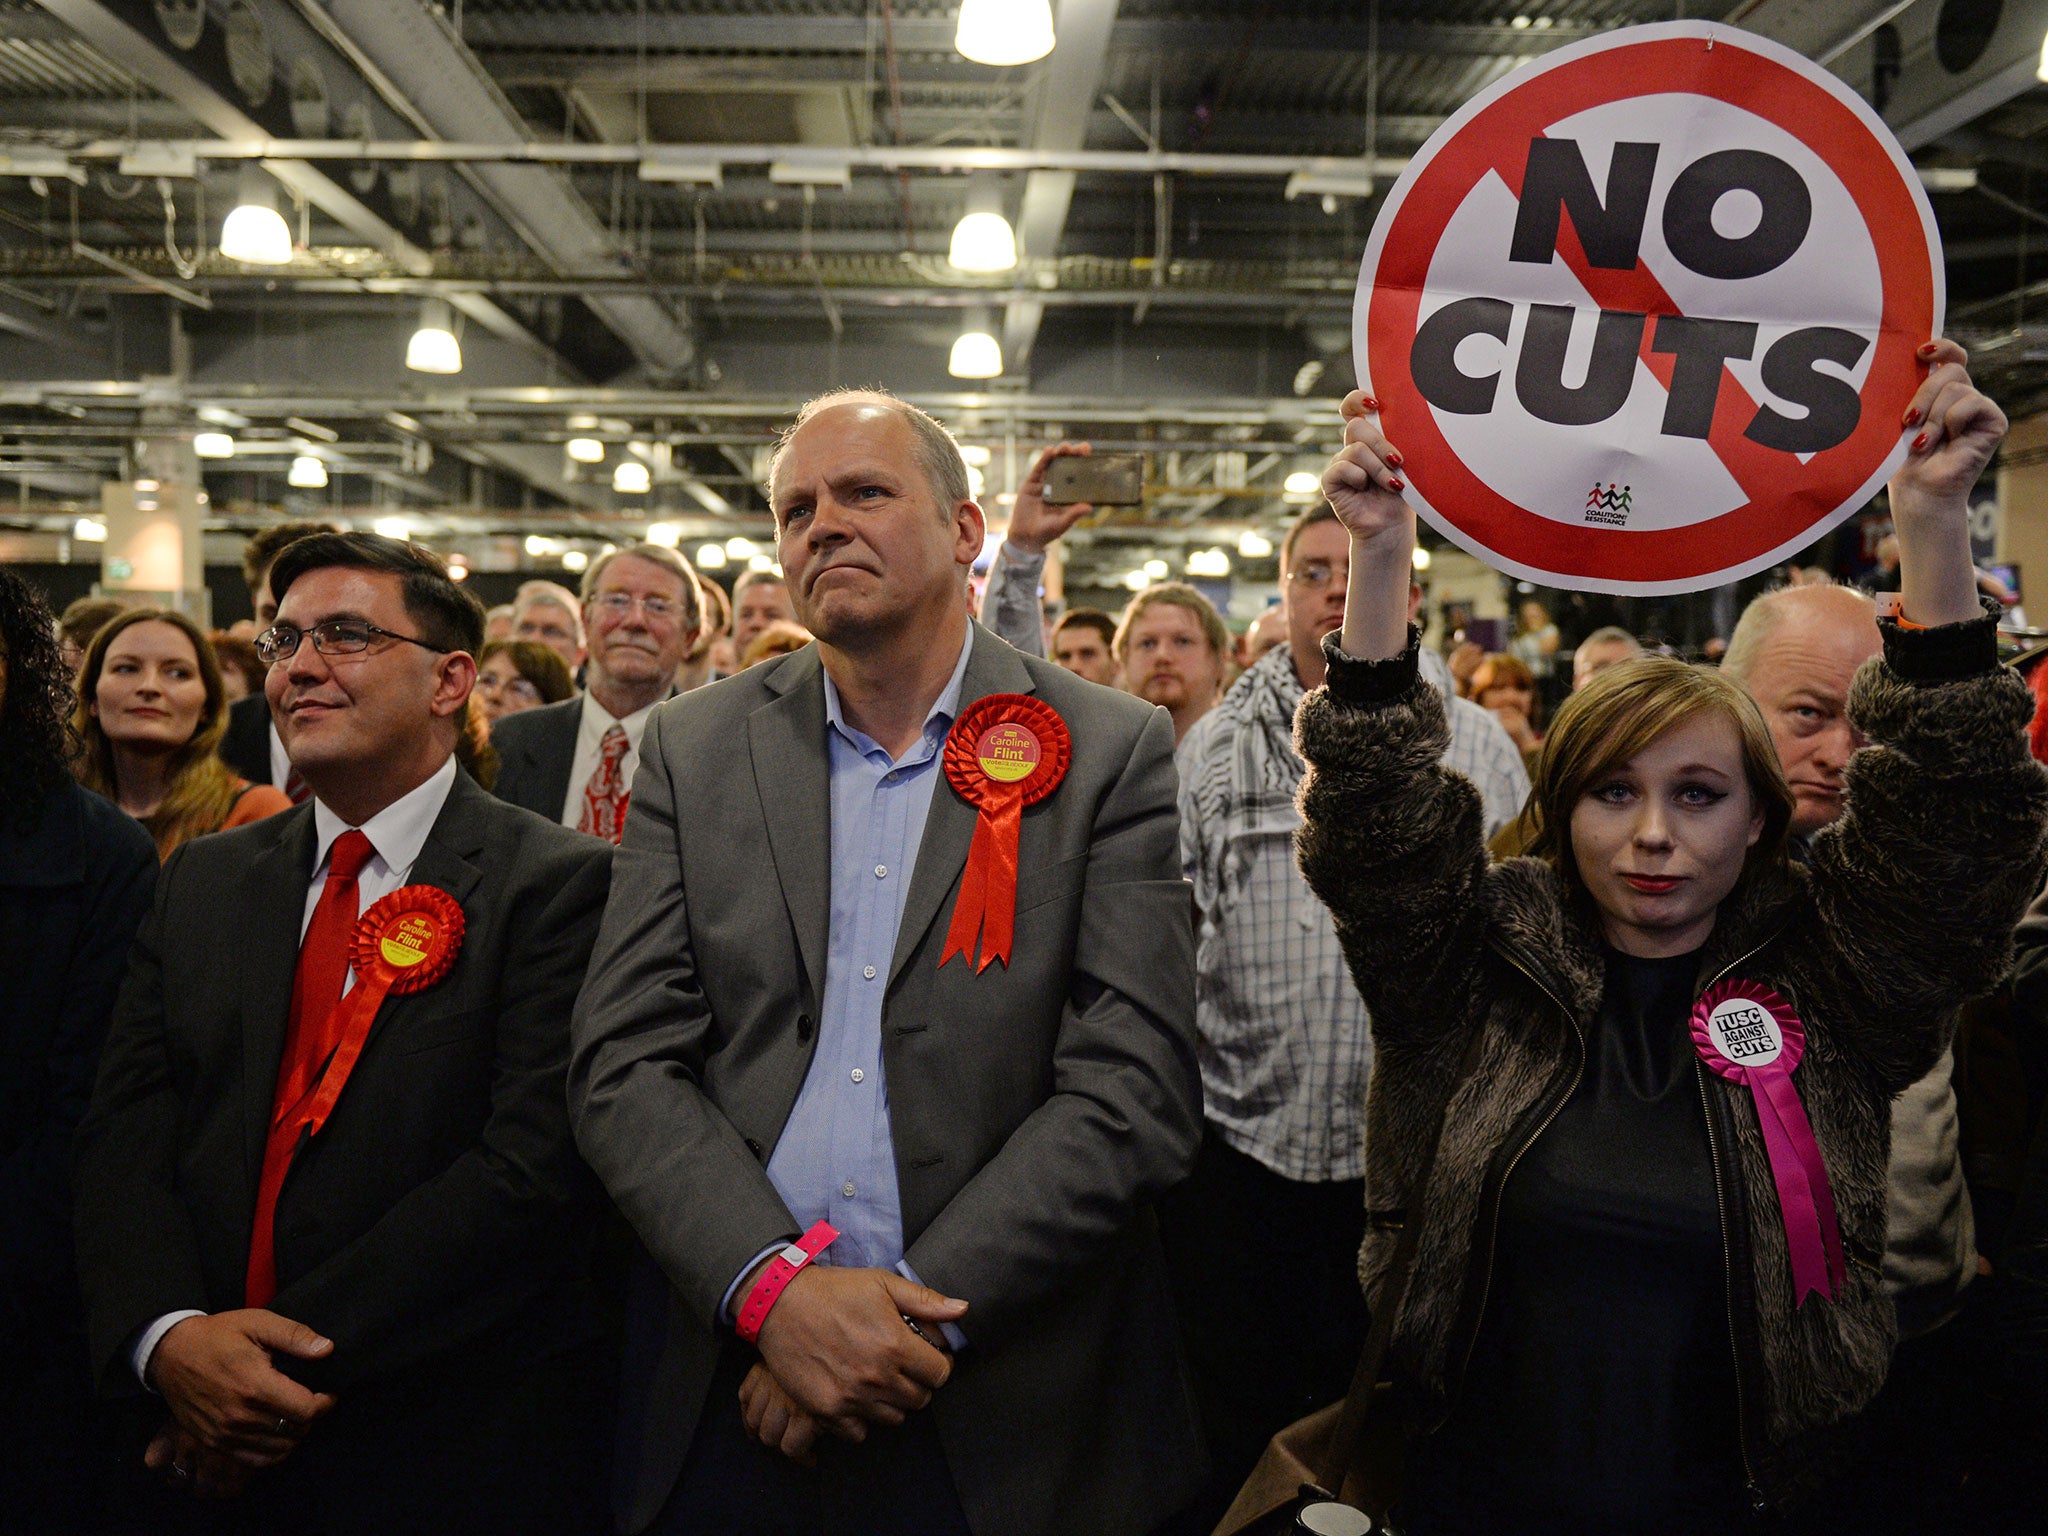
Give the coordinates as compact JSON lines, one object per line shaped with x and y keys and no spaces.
{"x":727,"y":1312}
{"x":147,"y":1341}
{"x":1353,"y":681}
{"x":1026,"y":565}
{"x":1946,"y":653}
{"x":955,"y":1339}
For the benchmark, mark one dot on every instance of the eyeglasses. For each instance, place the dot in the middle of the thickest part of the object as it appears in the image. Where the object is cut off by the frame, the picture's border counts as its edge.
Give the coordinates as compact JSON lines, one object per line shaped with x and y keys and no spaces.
{"x":1313,"y":573}
{"x":336,"y":637}
{"x":517,"y":687}
{"x":618,"y":604}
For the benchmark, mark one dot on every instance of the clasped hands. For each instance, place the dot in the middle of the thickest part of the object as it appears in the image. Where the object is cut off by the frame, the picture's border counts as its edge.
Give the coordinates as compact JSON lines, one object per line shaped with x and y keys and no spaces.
{"x":233,"y":1412}
{"x":837,"y":1357}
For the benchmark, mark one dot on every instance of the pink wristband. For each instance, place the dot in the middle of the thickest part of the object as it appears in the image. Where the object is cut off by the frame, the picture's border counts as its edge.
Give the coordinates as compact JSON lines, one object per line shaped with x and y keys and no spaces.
{"x":776,"y":1277}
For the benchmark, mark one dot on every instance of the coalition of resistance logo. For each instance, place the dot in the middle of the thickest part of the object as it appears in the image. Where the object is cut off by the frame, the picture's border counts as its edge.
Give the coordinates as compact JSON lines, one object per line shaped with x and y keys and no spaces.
{"x":1608,"y":504}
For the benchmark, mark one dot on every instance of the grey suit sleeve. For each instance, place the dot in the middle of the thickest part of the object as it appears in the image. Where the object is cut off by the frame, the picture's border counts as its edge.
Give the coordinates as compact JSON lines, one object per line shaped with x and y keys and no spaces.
{"x":675,"y":1166}
{"x":1010,"y":604}
{"x":1124,"y":1117}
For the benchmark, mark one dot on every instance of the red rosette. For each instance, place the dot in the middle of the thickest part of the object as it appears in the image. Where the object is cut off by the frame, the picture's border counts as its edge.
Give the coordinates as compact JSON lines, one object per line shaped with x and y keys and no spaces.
{"x":408,"y":940}
{"x":1008,"y":751}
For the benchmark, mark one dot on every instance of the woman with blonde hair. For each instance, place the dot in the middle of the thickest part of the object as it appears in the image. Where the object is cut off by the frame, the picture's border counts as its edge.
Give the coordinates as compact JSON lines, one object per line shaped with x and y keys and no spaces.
{"x":1646,"y":1281}
{"x":150,"y":716}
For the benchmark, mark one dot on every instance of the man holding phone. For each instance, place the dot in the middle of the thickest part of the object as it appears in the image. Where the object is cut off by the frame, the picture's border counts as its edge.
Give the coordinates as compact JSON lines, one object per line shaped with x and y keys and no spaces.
{"x":1010,"y":604}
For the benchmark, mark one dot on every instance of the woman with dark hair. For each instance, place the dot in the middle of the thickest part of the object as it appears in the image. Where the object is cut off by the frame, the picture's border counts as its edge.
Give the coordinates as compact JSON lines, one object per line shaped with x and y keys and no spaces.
{"x":75,"y":880}
{"x":241,"y":669}
{"x":1646,"y":1283}
{"x":150,"y":716}
{"x":512,"y":675}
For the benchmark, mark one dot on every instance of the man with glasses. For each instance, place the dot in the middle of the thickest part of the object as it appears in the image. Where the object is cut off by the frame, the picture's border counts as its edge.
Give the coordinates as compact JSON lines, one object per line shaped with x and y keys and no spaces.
{"x":546,"y":612}
{"x":574,"y":762}
{"x":1264,"y":1237}
{"x":347,"y":1242}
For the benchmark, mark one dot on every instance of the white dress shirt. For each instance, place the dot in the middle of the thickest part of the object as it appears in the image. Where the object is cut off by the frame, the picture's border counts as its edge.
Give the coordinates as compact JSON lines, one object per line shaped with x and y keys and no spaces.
{"x":280,"y":761}
{"x":590,"y":751}
{"x":397,"y":833}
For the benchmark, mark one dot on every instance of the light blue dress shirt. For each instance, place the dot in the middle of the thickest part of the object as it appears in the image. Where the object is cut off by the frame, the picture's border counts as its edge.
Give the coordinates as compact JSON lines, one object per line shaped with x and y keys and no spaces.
{"x":835,"y":1160}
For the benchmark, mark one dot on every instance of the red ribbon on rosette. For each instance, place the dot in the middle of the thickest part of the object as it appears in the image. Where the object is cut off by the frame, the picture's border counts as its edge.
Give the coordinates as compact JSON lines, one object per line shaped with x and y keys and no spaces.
{"x":1008,"y":751}
{"x":1749,"y":1035}
{"x":404,"y":943}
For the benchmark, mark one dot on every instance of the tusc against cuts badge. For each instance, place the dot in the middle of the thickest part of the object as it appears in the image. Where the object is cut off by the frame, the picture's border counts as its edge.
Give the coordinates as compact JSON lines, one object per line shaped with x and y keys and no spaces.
{"x":1643,"y":316}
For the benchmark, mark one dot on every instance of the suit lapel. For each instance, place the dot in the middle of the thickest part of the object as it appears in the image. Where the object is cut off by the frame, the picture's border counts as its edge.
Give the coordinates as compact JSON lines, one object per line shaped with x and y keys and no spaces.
{"x":993,"y":667}
{"x":792,"y":777}
{"x":554,"y":758}
{"x":274,"y":904}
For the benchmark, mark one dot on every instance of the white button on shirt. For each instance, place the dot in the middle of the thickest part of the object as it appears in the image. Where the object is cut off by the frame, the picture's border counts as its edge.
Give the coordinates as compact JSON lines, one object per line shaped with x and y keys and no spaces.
{"x":396,"y":833}
{"x":590,"y":749}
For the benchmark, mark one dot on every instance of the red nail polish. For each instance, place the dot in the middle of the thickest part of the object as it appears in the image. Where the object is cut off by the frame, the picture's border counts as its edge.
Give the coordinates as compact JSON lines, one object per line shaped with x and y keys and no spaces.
{"x":1394,"y":458}
{"x":1928,"y":349}
{"x":1371,"y":404}
{"x":1912,"y":417}
{"x":1396,"y":484}
{"x":1920,"y":442}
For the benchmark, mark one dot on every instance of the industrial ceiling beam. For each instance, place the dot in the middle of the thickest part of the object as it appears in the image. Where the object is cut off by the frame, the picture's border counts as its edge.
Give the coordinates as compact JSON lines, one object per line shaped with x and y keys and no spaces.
{"x":1072,"y":81}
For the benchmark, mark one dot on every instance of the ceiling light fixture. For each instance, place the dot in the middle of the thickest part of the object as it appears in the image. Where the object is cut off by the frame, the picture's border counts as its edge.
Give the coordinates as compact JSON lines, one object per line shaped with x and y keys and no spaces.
{"x":1421,"y":558}
{"x":983,"y":240}
{"x":213,"y":445}
{"x":1004,"y":32}
{"x":976,"y":455}
{"x":255,"y":232}
{"x":741,"y":549}
{"x":631,"y":478}
{"x":433,"y":348}
{"x":976,"y":353}
{"x":574,"y":560}
{"x":586,"y":450}
{"x":1253,"y":545}
{"x":1156,"y":569}
{"x":1208,"y":562}
{"x":1303,"y":482}
{"x":307,"y":474}
{"x":392,"y":527}
{"x":667,"y":535}
{"x":89,"y":530}
{"x":710,"y":557}
{"x":760,"y":563}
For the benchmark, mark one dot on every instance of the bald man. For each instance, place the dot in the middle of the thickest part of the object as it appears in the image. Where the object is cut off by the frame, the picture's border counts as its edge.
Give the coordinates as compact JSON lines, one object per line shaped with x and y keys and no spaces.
{"x":1795,"y":651}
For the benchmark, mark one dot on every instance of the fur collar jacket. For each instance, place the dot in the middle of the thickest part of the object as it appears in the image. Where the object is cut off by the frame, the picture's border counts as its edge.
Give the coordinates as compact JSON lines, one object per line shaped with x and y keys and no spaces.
{"x":1904,"y":912}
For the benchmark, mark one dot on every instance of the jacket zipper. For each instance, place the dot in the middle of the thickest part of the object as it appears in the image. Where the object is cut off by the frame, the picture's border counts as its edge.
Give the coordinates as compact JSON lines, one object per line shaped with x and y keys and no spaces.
{"x":1757,"y":1502}
{"x":1556,"y":1108}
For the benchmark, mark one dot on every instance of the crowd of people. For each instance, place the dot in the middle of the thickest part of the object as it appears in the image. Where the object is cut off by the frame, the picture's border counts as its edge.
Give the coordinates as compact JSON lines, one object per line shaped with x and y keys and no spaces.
{"x":614,"y":1062}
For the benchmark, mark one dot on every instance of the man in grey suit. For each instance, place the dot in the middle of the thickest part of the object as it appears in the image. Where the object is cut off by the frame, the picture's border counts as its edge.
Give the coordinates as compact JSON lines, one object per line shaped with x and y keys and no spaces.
{"x":986,"y":1345}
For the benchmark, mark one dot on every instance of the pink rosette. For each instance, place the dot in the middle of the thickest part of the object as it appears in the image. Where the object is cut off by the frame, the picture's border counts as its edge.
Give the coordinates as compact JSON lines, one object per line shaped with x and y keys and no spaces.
{"x":1749,"y":1035}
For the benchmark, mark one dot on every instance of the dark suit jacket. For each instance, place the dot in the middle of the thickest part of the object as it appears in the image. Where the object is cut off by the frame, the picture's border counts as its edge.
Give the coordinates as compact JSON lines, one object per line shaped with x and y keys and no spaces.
{"x":536,"y":749}
{"x":246,"y":746}
{"x":1037,"y":1109}
{"x":437,"y":1229}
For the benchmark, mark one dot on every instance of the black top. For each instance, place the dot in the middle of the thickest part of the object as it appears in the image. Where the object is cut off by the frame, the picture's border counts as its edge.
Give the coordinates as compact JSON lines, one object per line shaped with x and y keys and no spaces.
{"x":1601,"y":1392}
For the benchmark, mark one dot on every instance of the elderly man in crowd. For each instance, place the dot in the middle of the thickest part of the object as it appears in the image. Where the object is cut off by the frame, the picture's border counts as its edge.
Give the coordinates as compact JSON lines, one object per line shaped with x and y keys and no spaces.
{"x":1084,"y":643}
{"x":759,"y":598}
{"x":1265,"y":1236}
{"x":573,"y":762}
{"x":343,"y":1235}
{"x":1174,"y":651}
{"x":1795,"y":651}
{"x":770,"y":1049}
{"x":547,"y":613}
{"x":1601,"y":650}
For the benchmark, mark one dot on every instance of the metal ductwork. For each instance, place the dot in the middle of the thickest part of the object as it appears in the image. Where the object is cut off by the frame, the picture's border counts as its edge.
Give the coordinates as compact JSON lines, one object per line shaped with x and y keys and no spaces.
{"x":446,"y":90}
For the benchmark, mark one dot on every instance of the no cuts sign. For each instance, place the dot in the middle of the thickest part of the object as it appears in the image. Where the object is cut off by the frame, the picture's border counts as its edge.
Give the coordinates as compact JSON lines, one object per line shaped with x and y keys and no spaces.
{"x":1642,"y":317}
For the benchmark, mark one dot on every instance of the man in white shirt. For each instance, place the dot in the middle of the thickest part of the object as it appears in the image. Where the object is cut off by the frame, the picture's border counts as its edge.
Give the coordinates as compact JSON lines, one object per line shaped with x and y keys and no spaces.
{"x":1263,"y":1239}
{"x":345,"y":1237}
{"x":574,"y":762}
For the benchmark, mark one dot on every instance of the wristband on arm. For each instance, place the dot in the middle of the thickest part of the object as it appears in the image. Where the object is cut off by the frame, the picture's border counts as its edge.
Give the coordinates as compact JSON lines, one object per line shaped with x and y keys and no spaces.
{"x":775,"y":1278}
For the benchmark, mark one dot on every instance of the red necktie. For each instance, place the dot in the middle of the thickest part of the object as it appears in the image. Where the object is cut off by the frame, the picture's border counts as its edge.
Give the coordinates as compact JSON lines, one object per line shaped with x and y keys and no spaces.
{"x":316,"y":988}
{"x":296,"y":788}
{"x":605,"y":796}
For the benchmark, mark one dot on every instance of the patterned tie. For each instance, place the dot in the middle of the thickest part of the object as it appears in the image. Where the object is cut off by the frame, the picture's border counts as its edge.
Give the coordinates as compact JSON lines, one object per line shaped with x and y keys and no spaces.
{"x":605,"y":796}
{"x":316,"y":988}
{"x":296,"y":787}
